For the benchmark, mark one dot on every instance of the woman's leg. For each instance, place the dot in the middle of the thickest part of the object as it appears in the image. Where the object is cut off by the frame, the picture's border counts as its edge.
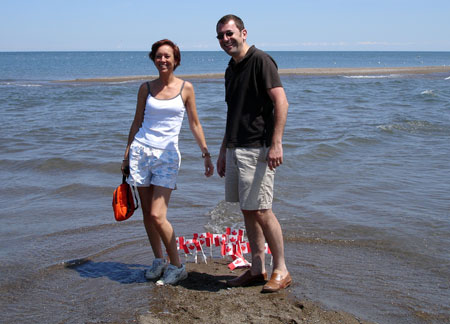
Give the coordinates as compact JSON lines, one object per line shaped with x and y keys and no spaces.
{"x":156,"y":224}
{"x":145,"y":195}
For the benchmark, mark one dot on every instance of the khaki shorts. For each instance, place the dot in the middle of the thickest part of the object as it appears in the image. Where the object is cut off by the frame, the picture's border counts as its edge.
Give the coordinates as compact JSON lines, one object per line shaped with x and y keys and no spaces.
{"x":248,"y":179}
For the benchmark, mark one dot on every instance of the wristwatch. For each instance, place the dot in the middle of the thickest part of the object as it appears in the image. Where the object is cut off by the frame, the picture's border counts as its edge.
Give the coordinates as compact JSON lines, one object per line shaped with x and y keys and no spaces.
{"x":207,"y":154}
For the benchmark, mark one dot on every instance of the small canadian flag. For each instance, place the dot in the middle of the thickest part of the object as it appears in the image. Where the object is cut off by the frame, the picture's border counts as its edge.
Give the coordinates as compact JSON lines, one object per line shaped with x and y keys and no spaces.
{"x":180,"y":243}
{"x":206,"y":238}
{"x":267,"y":249}
{"x":238,"y":263}
{"x":218,"y":238}
{"x":239,"y":233}
{"x":229,"y":249}
{"x":245,"y":247}
{"x":190,"y":246}
{"x":197,"y":245}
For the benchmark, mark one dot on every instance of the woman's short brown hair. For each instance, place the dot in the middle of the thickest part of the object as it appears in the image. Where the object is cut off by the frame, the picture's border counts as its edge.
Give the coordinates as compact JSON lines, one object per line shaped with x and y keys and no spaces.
{"x":176,"y":51}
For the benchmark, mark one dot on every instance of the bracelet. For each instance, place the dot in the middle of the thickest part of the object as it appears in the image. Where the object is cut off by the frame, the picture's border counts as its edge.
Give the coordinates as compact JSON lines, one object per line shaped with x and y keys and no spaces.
{"x":207,"y":154}
{"x":125,"y":160}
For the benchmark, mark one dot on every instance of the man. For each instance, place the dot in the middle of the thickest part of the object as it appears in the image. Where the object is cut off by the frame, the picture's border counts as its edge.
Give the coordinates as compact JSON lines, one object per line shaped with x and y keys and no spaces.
{"x":252,"y":149}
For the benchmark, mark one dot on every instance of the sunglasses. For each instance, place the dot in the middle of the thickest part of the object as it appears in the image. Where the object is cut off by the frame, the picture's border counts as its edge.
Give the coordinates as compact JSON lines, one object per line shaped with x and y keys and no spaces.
{"x":222,"y":35}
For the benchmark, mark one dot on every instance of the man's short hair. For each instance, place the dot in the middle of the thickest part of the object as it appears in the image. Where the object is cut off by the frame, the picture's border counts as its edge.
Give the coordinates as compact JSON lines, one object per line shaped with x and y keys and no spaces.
{"x":225,"y":19}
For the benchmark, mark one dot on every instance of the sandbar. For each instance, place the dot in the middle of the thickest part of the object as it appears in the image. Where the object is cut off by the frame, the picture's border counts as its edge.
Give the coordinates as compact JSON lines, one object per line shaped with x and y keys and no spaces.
{"x":204,"y":298}
{"x":360,"y":71}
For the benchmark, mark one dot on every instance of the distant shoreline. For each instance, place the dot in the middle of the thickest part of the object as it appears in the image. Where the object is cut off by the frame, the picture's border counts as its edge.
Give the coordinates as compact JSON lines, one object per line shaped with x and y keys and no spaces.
{"x":295,"y":71}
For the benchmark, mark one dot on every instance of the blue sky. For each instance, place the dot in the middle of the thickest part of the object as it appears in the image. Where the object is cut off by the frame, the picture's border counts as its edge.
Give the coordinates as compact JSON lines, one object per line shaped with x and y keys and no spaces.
{"x":363,"y":25}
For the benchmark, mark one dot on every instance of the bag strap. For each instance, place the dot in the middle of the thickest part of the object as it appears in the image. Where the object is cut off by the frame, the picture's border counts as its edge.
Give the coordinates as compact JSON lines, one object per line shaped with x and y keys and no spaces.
{"x":124,"y":180}
{"x":135,"y":198}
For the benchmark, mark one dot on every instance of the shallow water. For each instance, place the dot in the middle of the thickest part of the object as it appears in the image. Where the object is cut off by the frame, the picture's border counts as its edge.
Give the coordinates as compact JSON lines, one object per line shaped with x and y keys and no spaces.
{"x":362,"y":196}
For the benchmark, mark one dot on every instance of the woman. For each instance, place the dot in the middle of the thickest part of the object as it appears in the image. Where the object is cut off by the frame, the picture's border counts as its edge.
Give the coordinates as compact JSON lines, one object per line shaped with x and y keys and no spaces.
{"x":152,"y":156}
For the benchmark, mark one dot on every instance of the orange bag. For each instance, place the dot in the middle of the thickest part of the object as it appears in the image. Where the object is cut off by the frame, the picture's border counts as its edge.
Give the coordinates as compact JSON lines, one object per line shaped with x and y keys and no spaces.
{"x":123,"y":203}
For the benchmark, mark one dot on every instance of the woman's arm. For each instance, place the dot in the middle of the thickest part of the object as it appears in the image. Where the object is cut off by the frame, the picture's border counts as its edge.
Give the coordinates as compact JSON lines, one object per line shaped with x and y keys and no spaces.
{"x":196,"y":127}
{"x":137,"y":121}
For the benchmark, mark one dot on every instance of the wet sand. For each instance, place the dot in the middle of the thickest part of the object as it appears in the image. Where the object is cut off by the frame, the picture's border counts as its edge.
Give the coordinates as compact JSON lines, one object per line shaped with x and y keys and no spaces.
{"x":297,"y":71}
{"x":204,"y":298}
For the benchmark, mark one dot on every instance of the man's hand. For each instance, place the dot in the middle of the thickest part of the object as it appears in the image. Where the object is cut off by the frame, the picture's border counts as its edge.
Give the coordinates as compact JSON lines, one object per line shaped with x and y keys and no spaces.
{"x":221,"y":163}
{"x":275,"y":156}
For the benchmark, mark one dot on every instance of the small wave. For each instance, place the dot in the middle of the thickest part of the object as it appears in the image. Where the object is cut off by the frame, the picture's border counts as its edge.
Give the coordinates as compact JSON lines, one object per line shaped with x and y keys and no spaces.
{"x":366,"y":71}
{"x":412,"y":127}
{"x":29,"y":85}
{"x":52,"y":165}
{"x":224,"y":215}
{"x":61,"y":164}
{"x":75,"y":262}
{"x":19,"y":84}
{"x":357,"y":140}
{"x":290,"y":237}
{"x":92,"y":229}
{"x":428,"y":92}
{"x":447,"y":78}
{"x":368,"y":76}
{"x":82,"y":190}
{"x":329,"y":150}
{"x":124,"y":79}
{"x":80,"y":261}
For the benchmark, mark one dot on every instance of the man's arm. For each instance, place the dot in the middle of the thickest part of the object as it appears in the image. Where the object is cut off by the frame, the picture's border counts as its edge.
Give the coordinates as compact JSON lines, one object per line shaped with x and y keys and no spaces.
{"x":221,"y":160}
{"x":275,"y":156}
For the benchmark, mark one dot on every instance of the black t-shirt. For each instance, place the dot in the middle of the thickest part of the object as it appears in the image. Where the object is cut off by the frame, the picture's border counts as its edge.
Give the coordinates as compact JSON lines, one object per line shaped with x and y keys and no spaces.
{"x":250,"y":119}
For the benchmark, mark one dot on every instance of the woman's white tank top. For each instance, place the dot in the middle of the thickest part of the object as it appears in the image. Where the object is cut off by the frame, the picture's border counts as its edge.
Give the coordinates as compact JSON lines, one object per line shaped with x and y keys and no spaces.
{"x":162,"y":122}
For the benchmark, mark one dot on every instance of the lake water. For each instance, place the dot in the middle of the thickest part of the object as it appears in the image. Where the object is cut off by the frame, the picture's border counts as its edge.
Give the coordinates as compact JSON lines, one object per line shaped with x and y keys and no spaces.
{"x":363,"y":195}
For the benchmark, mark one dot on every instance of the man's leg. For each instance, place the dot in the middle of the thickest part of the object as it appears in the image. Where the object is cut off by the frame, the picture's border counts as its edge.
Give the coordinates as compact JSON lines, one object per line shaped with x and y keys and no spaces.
{"x":262,"y":225}
{"x":256,"y":239}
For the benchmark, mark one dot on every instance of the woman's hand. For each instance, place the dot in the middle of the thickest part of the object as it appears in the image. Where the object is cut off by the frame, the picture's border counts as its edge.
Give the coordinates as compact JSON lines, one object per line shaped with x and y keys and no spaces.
{"x":125,"y":168}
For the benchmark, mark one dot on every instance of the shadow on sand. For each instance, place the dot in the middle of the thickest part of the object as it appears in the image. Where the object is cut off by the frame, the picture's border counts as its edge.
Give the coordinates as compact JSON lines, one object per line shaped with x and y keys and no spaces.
{"x":134,"y":273}
{"x":116,"y":271}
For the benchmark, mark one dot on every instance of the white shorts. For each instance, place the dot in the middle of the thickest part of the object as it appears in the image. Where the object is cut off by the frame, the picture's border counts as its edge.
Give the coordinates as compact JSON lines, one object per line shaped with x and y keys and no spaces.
{"x":248,"y":179}
{"x":152,"y":166}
